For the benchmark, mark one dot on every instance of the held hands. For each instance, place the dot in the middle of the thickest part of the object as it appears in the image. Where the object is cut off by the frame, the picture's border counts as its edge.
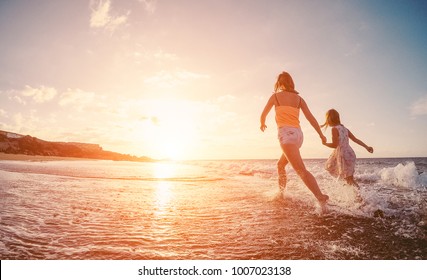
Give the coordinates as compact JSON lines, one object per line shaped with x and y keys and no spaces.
{"x":323,"y":139}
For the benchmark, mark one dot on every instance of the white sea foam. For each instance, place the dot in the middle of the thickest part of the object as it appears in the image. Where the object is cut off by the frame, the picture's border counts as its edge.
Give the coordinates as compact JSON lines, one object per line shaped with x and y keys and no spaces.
{"x":403,"y":175}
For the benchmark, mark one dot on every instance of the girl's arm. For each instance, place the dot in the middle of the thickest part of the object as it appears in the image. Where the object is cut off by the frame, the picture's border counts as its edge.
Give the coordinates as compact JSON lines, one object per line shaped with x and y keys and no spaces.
{"x":335,"y":139}
{"x":355,"y":140}
{"x":265,"y":112}
{"x":312,"y":120}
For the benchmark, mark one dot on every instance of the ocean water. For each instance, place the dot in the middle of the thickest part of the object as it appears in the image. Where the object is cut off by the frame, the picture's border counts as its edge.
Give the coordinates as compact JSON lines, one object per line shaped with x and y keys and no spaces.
{"x":209,"y":210}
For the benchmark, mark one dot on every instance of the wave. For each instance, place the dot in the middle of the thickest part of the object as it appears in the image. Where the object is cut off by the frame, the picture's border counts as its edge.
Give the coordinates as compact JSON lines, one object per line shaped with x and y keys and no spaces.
{"x":135,"y":178}
{"x":406,"y":174}
{"x":403,"y":175}
{"x":261,"y":173}
{"x":170,"y":179}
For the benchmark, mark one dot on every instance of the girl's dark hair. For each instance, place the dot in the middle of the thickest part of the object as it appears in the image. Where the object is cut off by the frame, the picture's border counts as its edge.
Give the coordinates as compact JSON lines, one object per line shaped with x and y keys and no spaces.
{"x":332,"y":118}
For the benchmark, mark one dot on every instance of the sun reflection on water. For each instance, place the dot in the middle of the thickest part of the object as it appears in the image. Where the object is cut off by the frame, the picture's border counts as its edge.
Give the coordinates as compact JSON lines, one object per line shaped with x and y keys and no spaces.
{"x":164,"y":188}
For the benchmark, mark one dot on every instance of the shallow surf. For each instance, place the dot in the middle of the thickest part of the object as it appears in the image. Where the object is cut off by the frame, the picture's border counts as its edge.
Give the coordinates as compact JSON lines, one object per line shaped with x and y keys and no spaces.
{"x":209,"y":210}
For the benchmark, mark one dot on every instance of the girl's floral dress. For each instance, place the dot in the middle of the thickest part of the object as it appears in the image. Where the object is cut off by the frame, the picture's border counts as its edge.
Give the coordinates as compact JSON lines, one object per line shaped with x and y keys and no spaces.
{"x":342,"y":161}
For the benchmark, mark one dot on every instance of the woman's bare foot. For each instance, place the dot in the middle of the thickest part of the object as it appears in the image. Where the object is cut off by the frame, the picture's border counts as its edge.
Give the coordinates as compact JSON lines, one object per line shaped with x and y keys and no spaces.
{"x":323,"y":200}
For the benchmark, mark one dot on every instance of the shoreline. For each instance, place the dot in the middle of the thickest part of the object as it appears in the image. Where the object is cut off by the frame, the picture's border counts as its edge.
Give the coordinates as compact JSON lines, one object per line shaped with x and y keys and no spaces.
{"x":22,"y":157}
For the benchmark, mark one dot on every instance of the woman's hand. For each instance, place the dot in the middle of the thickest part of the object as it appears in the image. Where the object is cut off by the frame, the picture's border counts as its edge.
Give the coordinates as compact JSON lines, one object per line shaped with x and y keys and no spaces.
{"x":370,"y":149}
{"x":263,"y":127}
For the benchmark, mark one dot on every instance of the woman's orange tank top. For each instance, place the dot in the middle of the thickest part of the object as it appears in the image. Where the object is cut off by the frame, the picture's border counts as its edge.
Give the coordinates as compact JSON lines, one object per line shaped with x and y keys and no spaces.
{"x":287,"y":115}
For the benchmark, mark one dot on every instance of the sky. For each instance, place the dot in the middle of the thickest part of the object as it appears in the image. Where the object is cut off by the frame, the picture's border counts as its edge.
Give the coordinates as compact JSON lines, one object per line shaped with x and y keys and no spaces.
{"x":189,"y":79}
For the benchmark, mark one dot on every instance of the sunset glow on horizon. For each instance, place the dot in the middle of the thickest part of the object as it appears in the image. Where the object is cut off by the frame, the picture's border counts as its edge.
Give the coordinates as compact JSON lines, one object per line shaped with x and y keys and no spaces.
{"x":189,"y":80}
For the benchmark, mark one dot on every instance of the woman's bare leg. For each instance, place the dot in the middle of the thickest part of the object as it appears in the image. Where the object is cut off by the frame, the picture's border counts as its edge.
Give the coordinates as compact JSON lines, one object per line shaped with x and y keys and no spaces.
{"x":294,"y":157}
{"x":281,"y":170}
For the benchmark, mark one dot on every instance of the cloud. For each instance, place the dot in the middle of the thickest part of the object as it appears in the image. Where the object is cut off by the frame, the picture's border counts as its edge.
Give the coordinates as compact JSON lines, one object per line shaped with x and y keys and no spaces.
{"x":115,"y":22}
{"x":14,"y":96}
{"x":158,"y":56}
{"x":3,"y":113}
{"x":162,"y":55}
{"x":101,"y":16}
{"x":187,"y":75}
{"x":77,"y":98}
{"x":39,"y":95}
{"x":419,"y":107}
{"x":226,"y":98}
{"x":174,"y":78}
{"x":19,"y":120}
{"x":149,"y":5}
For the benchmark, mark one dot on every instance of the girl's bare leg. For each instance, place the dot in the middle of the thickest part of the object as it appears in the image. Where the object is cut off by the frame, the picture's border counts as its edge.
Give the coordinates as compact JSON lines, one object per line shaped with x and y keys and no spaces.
{"x":350,"y":181}
{"x":294,"y":157}
{"x":281,"y":164}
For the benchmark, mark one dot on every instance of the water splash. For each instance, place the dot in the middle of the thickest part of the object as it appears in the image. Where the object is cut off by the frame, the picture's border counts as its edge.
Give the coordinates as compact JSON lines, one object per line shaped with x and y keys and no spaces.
{"x":403,"y":175}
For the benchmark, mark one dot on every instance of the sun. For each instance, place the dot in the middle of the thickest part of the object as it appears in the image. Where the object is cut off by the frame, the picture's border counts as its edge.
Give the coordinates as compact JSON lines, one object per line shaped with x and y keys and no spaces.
{"x":171,"y":131}
{"x":173,"y":141}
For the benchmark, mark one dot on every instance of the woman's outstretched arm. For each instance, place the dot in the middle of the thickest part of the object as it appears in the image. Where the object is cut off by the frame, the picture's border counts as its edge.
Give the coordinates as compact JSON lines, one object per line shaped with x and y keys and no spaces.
{"x":312,"y":120}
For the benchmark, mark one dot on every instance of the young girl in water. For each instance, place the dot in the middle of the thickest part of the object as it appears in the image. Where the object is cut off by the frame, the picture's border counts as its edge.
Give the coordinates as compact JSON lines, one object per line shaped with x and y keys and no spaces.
{"x":342,"y":161}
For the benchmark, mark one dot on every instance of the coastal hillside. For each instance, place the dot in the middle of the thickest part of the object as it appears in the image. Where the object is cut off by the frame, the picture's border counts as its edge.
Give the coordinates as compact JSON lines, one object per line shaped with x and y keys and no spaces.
{"x":13,"y":143}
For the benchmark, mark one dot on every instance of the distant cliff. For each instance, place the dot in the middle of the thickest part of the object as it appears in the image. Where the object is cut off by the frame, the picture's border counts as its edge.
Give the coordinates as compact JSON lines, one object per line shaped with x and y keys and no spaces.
{"x":13,"y":143}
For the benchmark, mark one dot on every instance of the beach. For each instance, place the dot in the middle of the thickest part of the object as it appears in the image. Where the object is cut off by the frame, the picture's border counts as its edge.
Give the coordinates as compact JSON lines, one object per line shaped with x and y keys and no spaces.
{"x":21,"y":157}
{"x":225,"y":210}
